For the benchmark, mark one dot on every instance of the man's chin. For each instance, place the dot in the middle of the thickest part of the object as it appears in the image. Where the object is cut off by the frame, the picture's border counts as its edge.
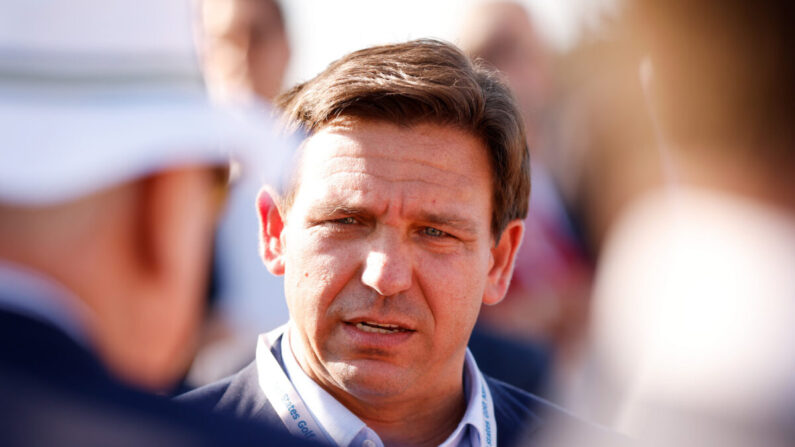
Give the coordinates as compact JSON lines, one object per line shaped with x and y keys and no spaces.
{"x":369,"y":379}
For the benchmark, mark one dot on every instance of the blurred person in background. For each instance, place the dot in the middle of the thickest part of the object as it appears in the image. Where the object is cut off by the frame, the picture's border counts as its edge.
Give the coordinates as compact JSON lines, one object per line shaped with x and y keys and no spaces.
{"x":245,"y":52}
{"x":113,"y":171}
{"x":694,"y":313}
{"x":245,"y":49}
{"x":546,"y":304}
{"x":602,"y":128}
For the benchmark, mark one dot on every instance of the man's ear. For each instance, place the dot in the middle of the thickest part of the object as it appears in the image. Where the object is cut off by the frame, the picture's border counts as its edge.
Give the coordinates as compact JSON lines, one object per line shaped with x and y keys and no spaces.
{"x":175,"y":221}
{"x":503,"y":255}
{"x":271,"y":228}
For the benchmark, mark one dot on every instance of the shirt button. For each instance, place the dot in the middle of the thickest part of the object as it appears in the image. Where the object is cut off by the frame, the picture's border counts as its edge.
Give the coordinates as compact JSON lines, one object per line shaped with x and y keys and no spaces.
{"x":368,"y":443}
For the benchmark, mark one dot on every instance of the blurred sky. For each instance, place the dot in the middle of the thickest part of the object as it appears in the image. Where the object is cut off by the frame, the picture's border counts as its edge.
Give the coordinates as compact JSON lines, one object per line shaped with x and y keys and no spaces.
{"x":324,"y":30}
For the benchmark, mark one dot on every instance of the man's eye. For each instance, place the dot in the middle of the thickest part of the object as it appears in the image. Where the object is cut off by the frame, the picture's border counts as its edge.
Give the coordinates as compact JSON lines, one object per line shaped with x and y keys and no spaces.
{"x":433,"y":232}
{"x":345,"y":221}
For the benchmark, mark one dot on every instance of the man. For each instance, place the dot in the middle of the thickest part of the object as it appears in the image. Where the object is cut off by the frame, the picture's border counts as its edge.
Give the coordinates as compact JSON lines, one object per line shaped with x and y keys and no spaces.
{"x":404,"y":214}
{"x":110,"y":179}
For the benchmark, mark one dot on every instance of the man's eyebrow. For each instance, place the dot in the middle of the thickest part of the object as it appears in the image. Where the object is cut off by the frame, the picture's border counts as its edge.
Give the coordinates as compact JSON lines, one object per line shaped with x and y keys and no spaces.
{"x":449,"y":220}
{"x":333,"y":209}
{"x":433,"y":218}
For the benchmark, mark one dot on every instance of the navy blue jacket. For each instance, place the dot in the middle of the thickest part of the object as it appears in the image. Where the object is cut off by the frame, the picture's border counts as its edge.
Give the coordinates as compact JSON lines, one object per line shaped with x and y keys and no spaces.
{"x":522,"y":418}
{"x":55,"y":392}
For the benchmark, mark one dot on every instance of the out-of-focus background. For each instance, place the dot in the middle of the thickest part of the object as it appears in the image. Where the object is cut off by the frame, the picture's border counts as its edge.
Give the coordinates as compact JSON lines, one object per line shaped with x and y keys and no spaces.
{"x":321,"y":32}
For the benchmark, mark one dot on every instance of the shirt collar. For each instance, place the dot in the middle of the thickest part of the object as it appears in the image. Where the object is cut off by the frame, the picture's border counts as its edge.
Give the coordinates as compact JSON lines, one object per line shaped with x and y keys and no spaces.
{"x":474,"y":426}
{"x":344,"y":427}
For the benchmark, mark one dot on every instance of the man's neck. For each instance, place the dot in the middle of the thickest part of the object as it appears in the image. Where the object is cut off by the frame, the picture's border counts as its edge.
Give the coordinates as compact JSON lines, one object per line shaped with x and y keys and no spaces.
{"x":400,"y":421}
{"x":426,"y":422}
{"x":424,"y":426}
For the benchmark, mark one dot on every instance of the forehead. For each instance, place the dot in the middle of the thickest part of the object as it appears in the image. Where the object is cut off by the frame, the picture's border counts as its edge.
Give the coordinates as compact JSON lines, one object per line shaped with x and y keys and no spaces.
{"x":361,"y":160}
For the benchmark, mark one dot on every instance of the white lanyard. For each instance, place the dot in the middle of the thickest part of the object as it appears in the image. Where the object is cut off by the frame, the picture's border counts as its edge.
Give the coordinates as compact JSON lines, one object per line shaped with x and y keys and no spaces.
{"x":281,"y":393}
{"x":486,"y":404}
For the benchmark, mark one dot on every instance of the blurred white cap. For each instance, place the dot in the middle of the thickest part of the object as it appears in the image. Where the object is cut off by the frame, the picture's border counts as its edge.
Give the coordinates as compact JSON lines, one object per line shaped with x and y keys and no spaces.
{"x":98,"y":92}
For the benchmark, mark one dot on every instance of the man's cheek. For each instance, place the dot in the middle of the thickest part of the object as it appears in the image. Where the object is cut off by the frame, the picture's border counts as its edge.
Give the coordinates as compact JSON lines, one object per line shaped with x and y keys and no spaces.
{"x":455,"y":276}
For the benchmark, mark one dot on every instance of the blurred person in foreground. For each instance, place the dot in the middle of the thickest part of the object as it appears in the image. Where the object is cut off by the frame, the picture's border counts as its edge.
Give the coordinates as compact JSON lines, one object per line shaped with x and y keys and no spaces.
{"x":113,"y":170}
{"x":694,"y":310}
{"x":402,"y":218}
{"x":546,"y":304}
{"x":245,"y":53}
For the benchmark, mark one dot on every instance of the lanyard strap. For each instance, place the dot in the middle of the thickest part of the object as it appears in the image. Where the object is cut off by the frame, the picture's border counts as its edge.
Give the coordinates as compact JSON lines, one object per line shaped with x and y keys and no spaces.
{"x":282,"y":394}
{"x":489,"y":421}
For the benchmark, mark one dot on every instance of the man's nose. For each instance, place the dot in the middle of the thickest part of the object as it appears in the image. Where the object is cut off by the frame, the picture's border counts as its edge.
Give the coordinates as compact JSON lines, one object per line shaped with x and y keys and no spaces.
{"x":388,"y":269}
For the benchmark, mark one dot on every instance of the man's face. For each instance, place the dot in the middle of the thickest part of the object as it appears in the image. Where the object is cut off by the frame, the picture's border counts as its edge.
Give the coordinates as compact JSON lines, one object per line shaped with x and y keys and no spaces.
{"x":386,"y":253}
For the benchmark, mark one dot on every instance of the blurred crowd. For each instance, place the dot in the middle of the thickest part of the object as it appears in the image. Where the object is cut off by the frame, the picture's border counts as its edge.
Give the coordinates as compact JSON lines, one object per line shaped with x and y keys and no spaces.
{"x":654,"y":290}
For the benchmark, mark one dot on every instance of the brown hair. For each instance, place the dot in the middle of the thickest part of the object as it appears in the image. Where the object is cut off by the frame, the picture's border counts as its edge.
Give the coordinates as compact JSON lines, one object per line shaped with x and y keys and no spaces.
{"x":423,"y":81}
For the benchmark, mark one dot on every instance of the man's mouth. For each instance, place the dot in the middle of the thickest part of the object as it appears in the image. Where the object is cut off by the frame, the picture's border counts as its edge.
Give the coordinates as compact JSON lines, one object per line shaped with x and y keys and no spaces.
{"x":380,"y":328}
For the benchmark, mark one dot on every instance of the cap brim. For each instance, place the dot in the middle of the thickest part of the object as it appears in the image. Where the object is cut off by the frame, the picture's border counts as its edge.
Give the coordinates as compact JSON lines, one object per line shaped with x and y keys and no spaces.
{"x":57,"y":150}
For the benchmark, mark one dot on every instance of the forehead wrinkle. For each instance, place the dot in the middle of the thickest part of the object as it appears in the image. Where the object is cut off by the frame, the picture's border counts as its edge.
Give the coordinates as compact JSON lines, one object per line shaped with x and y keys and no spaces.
{"x":341,"y":206}
{"x":399,"y":160}
{"x":398,"y":170}
{"x":389,"y":179}
{"x":369,"y":158}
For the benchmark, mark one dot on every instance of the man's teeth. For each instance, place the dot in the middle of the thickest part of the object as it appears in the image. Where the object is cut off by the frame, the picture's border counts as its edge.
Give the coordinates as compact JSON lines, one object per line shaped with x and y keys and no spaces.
{"x":378,"y":328}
